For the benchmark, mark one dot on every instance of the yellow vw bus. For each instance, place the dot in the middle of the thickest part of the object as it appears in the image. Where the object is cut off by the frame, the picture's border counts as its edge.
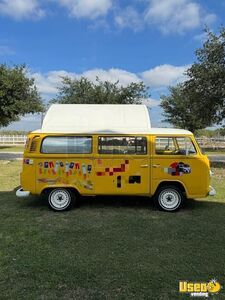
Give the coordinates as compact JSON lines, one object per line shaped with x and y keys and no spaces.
{"x":112,"y":150}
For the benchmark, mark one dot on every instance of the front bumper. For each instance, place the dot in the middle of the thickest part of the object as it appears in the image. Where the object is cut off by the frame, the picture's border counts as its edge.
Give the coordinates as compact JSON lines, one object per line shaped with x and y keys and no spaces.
{"x":212,"y":191}
{"x":22,"y":194}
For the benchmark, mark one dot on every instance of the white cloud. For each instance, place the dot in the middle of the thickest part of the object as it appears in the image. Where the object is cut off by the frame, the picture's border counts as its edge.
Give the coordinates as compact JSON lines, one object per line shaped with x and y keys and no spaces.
{"x":173,"y":15}
{"x":129,"y":18}
{"x":20,"y":9}
{"x":87,"y":8}
{"x":157,"y":77}
{"x":164,"y":75}
{"x":112,"y":75}
{"x":47,"y":83}
{"x":170,"y":16}
{"x":176,"y":15}
{"x":6,"y":50}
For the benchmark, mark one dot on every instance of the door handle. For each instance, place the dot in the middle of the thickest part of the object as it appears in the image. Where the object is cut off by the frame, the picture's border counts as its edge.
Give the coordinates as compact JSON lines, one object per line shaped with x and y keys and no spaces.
{"x":156,"y":166}
{"x":144,"y":166}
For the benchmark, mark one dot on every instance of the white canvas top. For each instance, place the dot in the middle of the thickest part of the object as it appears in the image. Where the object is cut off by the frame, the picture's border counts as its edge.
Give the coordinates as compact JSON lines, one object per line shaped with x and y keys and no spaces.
{"x":96,"y":118}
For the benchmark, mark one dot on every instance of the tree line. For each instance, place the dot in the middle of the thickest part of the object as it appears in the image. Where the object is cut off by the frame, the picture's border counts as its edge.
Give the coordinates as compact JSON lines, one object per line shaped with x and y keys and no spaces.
{"x":194,"y":104}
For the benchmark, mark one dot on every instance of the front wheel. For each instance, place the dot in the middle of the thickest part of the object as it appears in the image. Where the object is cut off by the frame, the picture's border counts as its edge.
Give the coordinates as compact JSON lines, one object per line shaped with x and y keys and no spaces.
{"x":169,"y":198}
{"x":60,"y":199}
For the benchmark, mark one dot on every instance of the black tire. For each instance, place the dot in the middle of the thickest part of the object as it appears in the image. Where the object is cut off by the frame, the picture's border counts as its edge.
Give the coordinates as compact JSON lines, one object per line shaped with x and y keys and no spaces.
{"x":60,"y":199}
{"x":169,"y":198}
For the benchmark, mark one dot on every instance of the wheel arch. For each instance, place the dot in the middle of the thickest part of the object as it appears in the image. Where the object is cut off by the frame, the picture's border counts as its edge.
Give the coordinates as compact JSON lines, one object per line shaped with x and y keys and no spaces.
{"x":176,"y":183}
{"x":47,"y":189}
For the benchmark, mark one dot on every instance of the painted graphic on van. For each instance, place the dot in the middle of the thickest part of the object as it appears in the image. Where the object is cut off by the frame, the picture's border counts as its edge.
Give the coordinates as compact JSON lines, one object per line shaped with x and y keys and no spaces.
{"x":110,"y":171}
{"x":178,"y":169}
{"x":67,"y":173}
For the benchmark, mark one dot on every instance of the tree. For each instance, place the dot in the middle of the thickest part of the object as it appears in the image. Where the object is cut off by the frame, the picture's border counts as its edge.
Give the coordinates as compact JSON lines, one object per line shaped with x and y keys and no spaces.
{"x":201,"y":98}
{"x":83,"y":91}
{"x":18,"y":94}
{"x":181,"y":111}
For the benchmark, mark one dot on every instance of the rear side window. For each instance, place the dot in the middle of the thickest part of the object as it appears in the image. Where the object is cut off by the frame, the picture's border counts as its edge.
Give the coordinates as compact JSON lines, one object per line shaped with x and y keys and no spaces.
{"x":122,"y":145}
{"x":67,"y":145}
{"x":174,"y":146}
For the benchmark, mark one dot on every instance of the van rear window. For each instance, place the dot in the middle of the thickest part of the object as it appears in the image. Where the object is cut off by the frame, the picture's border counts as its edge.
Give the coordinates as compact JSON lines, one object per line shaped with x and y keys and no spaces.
{"x":122,"y":145}
{"x":67,"y":145}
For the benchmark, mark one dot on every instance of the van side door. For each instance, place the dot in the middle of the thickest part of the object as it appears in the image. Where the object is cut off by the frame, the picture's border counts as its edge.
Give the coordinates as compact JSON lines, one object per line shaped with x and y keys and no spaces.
{"x":122,"y":165}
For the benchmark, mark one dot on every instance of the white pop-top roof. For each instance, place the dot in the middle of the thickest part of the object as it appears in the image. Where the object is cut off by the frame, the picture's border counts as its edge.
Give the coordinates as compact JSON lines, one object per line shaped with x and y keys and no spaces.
{"x":101,"y":118}
{"x":96,"y":118}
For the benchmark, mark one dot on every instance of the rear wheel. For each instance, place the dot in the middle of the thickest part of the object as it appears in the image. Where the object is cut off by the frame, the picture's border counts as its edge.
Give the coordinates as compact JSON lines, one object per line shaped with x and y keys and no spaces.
{"x":169,"y":198}
{"x":60,"y":199}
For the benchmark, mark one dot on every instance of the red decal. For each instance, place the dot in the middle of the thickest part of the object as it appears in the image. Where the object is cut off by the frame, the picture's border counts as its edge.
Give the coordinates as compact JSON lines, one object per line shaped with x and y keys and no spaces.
{"x":122,"y":167}
{"x":116,"y":169}
{"x":50,"y":164}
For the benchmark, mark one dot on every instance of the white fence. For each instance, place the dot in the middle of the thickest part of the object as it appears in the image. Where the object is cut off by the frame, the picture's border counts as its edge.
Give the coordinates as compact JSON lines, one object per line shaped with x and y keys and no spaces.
{"x":216,"y":143}
{"x":213,"y":143}
{"x":12,"y":139}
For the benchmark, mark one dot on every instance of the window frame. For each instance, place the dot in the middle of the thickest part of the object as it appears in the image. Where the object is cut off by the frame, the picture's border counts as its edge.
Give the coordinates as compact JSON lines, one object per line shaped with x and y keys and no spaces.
{"x":67,"y":136}
{"x":123,"y":136}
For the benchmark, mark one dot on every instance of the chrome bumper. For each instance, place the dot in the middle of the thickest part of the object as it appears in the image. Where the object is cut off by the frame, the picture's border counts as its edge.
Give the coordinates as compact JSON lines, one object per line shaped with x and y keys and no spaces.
{"x":212,"y":191}
{"x":22,"y":194}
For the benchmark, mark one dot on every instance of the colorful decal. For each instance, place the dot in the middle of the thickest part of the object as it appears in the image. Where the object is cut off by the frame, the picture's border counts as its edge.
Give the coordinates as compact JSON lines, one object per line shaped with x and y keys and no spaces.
{"x":89,"y":168}
{"x":178,"y":169}
{"x":47,"y":180}
{"x":28,"y":161}
{"x":110,"y":171}
{"x":56,"y":166}
{"x":67,"y":168}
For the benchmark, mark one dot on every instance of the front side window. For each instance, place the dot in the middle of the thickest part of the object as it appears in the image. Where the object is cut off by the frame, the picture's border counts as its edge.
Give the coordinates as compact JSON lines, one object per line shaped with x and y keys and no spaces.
{"x":122,"y":145}
{"x":174,"y":146}
{"x":67,"y":145}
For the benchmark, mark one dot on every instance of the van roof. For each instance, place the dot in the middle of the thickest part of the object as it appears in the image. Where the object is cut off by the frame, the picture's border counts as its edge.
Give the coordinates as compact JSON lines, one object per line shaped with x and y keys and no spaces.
{"x":101,"y":119}
{"x":83,"y":118}
{"x":155,"y":131}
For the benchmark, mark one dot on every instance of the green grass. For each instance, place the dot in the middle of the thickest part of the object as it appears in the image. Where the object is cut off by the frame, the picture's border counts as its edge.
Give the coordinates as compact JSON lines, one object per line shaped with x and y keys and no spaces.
{"x":18,"y":148}
{"x":107,"y":248}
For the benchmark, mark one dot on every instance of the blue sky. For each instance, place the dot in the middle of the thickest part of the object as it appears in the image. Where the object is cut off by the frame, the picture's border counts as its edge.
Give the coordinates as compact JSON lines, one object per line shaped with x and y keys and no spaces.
{"x":149,"y":40}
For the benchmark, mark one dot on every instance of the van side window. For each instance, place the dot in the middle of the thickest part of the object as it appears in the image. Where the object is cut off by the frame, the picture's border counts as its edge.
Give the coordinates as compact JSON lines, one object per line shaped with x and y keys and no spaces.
{"x":174,"y":146}
{"x":122,"y":145}
{"x":67,"y":145}
{"x":164,"y":145}
{"x":185,"y":145}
